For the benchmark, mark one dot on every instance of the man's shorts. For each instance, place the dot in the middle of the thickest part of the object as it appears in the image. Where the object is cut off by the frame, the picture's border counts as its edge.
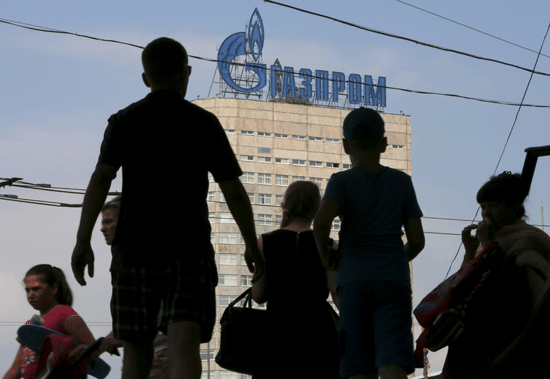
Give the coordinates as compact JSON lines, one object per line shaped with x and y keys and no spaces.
{"x":375,"y":327}
{"x":186,"y":288}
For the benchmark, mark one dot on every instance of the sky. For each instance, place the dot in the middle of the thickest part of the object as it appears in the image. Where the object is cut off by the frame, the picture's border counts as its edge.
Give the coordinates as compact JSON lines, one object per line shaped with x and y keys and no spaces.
{"x":57,"y":91}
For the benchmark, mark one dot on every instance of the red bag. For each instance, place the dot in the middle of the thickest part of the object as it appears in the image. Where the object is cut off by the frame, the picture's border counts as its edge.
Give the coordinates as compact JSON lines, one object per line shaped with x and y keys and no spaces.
{"x":449,"y":294}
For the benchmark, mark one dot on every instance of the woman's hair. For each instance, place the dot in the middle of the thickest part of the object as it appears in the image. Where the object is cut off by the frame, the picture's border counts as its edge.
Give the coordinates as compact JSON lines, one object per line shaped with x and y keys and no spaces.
{"x":302,"y":200}
{"x":113,"y":204}
{"x":54,"y":276}
{"x":503,"y":188}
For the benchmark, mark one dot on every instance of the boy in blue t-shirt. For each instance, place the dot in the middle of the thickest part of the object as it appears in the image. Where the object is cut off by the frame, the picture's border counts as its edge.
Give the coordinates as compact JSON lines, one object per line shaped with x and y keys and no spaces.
{"x":373,"y":202}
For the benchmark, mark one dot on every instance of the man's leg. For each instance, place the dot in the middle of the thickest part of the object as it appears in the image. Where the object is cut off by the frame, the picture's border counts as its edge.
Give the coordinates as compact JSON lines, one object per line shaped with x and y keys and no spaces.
{"x":184,"y":340}
{"x":137,"y":360}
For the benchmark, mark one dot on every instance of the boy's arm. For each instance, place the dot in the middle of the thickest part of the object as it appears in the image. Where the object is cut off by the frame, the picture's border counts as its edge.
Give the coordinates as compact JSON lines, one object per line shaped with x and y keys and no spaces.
{"x":415,"y":237}
{"x":241,"y":209}
{"x":328,"y":210}
{"x":95,"y":196}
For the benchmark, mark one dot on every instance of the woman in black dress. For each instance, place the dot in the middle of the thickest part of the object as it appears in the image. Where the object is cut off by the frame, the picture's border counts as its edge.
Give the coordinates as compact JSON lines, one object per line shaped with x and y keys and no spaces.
{"x":303,"y":337}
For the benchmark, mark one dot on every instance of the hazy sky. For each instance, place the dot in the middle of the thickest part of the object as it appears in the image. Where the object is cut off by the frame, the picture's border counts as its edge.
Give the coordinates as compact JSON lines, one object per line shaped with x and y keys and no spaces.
{"x":57,"y":92}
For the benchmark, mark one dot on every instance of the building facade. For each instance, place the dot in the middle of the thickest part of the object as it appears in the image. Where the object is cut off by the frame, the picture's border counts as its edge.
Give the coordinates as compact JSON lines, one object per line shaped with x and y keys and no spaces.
{"x":276,"y":144}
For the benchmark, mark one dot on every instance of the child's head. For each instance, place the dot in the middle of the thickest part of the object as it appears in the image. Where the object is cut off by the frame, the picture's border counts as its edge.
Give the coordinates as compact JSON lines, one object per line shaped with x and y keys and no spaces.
{"x":301,"y":201}
{"x":45,"y":284}
{"x":364,"y":129}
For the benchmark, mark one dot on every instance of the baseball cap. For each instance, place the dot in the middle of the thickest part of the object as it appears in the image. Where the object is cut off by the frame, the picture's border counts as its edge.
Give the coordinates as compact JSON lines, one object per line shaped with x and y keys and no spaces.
{"x":363,"y":123}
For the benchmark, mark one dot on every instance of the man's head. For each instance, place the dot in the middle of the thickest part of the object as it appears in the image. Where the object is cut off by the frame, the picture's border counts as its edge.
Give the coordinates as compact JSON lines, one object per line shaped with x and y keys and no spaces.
{"x":364,"y":129}
{"x":165,"y":65}
{"x":109,"y":219}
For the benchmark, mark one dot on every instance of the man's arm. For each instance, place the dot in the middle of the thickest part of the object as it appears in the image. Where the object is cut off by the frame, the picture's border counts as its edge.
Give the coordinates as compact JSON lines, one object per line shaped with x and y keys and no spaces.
{"x":241,"y":209}
{"x":322,"y":222}
{"x":95,"y":196}
{"x":415,"y":237}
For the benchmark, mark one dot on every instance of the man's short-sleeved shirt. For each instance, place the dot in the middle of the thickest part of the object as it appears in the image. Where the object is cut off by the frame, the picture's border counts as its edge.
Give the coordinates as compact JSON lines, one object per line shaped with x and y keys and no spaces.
{"x":166,"y":146}
{"x":373,"y":208}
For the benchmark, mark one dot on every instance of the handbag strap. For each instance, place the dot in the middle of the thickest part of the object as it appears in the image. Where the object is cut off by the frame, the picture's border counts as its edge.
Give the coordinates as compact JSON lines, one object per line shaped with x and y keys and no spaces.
{"x":248,"y":301}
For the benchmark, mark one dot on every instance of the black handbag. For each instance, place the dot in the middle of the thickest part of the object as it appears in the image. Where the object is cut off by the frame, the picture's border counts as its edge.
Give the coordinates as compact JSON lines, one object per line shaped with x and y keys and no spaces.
{"x":243,"y":337}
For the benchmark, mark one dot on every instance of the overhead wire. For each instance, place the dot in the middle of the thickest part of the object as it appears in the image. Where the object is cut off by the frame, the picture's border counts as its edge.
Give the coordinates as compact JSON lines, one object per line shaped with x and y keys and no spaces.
{"x":472,"y":28}
{"x":406,"y":38}
{"x":51,"y":30}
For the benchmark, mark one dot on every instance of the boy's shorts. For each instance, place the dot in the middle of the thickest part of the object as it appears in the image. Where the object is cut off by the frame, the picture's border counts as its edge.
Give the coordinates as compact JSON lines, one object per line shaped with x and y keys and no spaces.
{"x":186,"y":288}
{"x":375,"y":327}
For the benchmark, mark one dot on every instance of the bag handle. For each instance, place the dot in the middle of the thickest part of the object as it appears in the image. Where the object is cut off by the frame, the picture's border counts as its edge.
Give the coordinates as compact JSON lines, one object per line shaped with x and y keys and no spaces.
{"x":248,"y":301}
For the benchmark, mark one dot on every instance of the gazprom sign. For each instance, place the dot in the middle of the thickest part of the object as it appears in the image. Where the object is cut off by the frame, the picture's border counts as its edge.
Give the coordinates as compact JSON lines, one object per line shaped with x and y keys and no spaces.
{"x":328,"y":86}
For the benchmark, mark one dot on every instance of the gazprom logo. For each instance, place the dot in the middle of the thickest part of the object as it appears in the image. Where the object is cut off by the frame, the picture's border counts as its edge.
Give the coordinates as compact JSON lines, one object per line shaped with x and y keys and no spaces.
{"x":360,"y":90}
{"x":235,"y":45}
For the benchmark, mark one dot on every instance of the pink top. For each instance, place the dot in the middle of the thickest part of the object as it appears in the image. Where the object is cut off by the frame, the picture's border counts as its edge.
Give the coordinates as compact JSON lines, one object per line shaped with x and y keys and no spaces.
{"x":55,"y":320}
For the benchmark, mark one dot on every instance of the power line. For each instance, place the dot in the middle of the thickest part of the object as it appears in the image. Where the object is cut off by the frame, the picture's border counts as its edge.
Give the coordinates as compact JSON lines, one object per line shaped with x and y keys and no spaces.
{"x":474,"y":29}
{"x":50,"y":30}
{"x":406,"y":38}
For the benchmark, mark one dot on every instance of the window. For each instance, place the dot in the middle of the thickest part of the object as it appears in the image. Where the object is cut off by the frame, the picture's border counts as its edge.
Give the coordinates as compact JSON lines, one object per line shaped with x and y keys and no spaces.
{"x":298,"y":178}
{"x":315,"y":164}
{"x":228,"y":238}
{"x":278,"y":219}
{"x":281,"y":161}
{"x":278,"y":200}
{"x":279,"y":135}
{"x":228,"y":375}
{"x":247,"y":132}
{"x":226,"y":218}
{"x":264,"y":134}
{"x":315,"y":138}
{"x":247,"y":177}
{"x":301,"y":138}
{"x":333,"y":140}
{"x":224,"y":300}
{"x":264,"y":178}
{"x":250,"y":197}
{"x":264,"y":159}
{"x":400,"y":147}
{"x":222,"y":198}
{"x":264,"y":219}
{"x":246,"y":280}
{"x":318,"y":181}
{"x":335,"y":225}
{"x":207,"y":354}
{"x":211,"y":196}
{"x":229,"y":131}
{"x":333,"y":165}
{"x":299,"y":162}
{"x":228,"y":259}
{"x":227,"y":280}
{"x":346,"y":166}
{"x":247,"y":158}
{"x":264,"y":199}
{"x":281,"y":180}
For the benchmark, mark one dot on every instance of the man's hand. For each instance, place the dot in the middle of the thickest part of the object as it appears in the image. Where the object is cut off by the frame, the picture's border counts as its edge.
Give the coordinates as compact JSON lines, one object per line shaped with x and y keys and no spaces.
{"x":83,"y":256}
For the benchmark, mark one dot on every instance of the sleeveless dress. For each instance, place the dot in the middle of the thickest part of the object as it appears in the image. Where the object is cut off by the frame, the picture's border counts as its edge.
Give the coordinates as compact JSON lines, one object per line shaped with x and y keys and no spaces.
{"x":303,"y":334}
